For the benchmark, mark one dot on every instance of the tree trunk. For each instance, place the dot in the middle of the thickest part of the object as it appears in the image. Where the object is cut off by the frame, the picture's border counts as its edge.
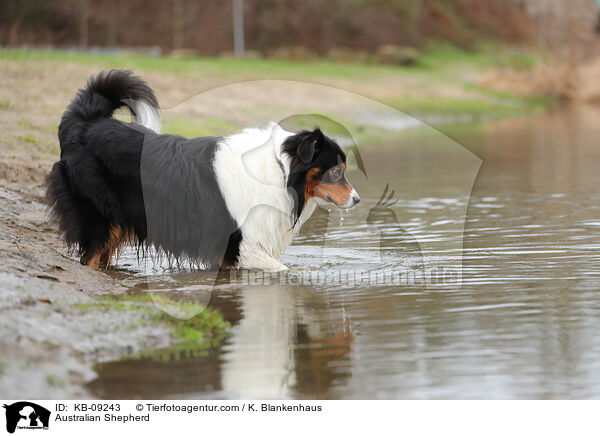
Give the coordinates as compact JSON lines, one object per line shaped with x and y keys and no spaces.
{"x":13,"y":35}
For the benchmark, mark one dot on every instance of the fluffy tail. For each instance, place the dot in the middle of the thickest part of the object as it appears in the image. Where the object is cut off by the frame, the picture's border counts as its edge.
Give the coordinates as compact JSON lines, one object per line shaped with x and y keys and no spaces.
{"x":104,"y":93}
{"x":84,"y":219}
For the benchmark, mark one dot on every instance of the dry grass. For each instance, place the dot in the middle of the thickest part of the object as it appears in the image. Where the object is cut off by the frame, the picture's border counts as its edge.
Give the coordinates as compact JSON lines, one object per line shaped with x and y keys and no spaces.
{"x":571,"y":74}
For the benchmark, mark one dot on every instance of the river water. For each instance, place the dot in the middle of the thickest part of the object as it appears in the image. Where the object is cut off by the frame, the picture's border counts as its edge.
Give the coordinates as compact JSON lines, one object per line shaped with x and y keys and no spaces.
{"x":518,"y":315}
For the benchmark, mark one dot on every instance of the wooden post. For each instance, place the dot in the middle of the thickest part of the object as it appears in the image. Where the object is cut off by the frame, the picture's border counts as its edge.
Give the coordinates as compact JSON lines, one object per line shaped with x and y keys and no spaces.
{"x":415,"y":21}
{"x":84,"y":23}
{"x":112,"y":24}
{"x":238,"y":27}
{"x":177,"y":24}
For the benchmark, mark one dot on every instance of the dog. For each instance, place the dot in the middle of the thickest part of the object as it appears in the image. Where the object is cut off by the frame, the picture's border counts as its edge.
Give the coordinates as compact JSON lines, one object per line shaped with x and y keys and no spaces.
{"x":221,"y":201}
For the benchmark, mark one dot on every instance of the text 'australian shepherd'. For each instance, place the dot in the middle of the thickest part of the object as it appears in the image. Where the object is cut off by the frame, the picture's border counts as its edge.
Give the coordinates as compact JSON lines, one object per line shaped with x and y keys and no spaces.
{"x":232,"y":201}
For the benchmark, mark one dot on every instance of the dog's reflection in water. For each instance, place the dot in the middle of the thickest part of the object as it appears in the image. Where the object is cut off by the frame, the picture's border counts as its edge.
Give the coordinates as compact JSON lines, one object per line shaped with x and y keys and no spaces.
{"x":280,"y":349}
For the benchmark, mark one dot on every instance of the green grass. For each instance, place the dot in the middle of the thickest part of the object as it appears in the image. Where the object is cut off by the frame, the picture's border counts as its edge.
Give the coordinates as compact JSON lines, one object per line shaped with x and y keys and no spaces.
{"x":24,"y":123}
{"x":7,"y":140}
{"x":439,"y":64}
{"x":191,"y":127}
{"x":435,"y":57}
{"x":492,"y":107}
{"x":30,"y":138}
{"x":207,"y":67}
{"x":50,"y":128}
{"x":202,"y":325}
{"x":485,"y":55}
{"x":54,"y":381}
{"x":194,"y":337}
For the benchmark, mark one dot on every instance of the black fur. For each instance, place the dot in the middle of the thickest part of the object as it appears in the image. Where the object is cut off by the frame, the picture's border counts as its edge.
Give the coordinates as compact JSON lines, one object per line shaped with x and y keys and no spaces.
{"x":160,"y":189}
{"x":309,"y":150}
{"x":185,"y":210}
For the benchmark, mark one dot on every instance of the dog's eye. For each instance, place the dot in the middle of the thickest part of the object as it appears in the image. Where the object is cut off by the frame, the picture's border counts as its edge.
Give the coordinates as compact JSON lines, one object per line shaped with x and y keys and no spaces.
{"x":335,"y":174}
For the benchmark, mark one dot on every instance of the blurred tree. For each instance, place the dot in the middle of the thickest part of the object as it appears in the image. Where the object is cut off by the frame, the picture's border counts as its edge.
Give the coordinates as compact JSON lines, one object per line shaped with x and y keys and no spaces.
{"x":410,"y":13}
{"x":561,"y":21}
{"x":318,"y":25}
{"x":17,"y":13}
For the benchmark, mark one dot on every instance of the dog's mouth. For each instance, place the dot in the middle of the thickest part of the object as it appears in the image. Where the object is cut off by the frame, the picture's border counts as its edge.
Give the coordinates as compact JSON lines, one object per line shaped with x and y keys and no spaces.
{"x":343,"y":195}
{"x":347,"y":206}
{"x":351,"y":202}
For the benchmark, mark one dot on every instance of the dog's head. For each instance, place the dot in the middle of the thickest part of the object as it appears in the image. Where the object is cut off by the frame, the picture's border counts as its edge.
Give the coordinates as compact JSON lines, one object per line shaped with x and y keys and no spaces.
{"x":317,"y":170}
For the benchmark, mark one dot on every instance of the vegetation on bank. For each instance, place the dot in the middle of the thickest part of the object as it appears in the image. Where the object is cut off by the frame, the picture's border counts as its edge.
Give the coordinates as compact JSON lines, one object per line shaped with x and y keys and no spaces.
{"x":470,"y":110}
{"x":442,"y":65}
{"x":437,"y":56}
{"x":198,"y":328}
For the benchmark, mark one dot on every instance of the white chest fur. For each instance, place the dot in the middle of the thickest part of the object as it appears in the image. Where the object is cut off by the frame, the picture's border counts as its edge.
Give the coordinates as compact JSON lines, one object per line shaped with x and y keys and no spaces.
{"x":251,"y":173}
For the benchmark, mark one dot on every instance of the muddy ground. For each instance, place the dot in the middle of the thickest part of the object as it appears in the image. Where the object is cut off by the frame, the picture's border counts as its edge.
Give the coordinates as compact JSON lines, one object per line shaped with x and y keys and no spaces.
{"x":48,"y":342}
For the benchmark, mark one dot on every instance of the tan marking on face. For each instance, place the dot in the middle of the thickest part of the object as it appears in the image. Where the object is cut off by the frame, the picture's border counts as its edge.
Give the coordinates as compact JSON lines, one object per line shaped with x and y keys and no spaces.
{"x":310,"y":183}
{"x":339,"y":193}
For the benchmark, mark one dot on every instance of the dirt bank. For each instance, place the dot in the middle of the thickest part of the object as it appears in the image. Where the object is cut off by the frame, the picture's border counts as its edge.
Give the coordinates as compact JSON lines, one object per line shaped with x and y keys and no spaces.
{"x":49,"y":343}
{"x":50,"y":334}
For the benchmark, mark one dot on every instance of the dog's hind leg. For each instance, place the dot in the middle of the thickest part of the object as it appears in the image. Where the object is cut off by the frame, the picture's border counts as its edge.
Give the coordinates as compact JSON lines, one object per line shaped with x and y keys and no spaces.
{"x":105,"y":258}
{"x":91,"y":259}
{"x":92,"y":182}
{"x":95,"y":240}
{"x":115,"y":240}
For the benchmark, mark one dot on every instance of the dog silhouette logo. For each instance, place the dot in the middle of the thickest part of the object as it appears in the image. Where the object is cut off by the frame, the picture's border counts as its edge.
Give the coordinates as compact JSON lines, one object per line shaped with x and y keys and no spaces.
{"x":26,"y":415}
{"x":383,"y":218}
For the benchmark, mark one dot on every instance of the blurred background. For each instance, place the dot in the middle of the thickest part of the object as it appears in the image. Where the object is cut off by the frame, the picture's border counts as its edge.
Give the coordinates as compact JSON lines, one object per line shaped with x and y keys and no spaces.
{"x":318,"y":26}
{"x":552,"y":39}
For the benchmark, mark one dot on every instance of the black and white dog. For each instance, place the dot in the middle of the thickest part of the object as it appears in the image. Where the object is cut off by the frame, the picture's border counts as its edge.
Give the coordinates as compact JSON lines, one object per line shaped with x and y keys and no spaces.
{"x":233,"y":201}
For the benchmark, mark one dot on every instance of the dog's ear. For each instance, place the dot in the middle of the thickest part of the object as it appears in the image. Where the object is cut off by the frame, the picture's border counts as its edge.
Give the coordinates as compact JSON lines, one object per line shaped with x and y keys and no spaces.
{"x":308,"y":147}
{"x":306,"y":150}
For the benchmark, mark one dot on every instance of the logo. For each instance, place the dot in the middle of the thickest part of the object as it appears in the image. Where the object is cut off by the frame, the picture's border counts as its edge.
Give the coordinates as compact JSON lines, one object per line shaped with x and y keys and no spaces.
{"x":26,"y":415}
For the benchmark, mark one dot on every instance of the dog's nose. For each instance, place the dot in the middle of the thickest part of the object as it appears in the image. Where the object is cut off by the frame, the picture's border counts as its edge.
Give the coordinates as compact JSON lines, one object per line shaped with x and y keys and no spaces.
{"x":356,"y":199}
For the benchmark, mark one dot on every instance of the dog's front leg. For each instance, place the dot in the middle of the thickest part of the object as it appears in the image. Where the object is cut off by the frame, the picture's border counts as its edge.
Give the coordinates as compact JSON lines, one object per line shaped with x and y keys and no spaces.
{"x":262,"y":261}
